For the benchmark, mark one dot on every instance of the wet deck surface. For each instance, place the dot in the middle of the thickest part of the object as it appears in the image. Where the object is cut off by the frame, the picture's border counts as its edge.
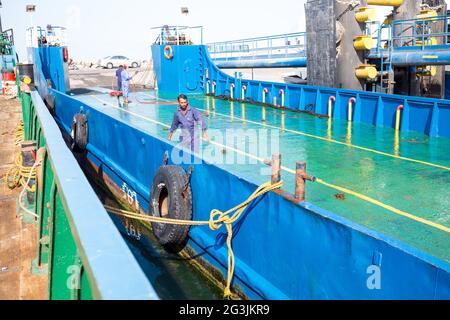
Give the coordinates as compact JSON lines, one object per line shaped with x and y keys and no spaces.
{"x":407,"y":174}
{"x":18,"y":240}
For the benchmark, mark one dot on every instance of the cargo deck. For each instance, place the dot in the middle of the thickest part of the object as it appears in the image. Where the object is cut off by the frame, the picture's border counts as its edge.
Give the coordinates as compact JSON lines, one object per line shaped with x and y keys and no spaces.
{"x":361,"y":158}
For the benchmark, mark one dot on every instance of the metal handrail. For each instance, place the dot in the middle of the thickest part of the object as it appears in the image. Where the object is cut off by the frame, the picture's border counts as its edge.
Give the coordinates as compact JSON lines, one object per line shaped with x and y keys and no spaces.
{"x":278,"y":36}
{"x":294,"y":45}
{"x":173,"y":35}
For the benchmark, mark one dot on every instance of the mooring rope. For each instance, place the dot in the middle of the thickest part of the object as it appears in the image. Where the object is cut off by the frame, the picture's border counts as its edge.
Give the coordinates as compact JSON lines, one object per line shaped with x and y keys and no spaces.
{"x":216,"y":220}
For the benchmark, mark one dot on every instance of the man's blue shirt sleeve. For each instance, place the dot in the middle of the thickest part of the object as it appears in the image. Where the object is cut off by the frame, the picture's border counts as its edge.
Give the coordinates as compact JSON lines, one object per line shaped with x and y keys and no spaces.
{"x":198,"y":117}
{"x":175,"y":123}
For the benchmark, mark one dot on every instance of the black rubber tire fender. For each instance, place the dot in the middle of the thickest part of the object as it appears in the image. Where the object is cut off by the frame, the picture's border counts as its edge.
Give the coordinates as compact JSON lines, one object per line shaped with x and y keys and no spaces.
{"x":49,"y":101}
{"x":171,"y":198}
{"x":79,"y":132}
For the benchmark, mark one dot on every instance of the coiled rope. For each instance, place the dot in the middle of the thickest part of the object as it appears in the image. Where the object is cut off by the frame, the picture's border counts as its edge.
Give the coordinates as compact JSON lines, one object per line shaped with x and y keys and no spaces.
{"x":216,"y":220}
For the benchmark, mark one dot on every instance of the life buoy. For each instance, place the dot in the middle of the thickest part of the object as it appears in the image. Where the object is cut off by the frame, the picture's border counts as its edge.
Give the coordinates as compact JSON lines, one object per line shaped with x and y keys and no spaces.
{"x":79,"y":132}
{"x":65,"y":54}
{"x":171,"y":197}
{"x":168,"y":52}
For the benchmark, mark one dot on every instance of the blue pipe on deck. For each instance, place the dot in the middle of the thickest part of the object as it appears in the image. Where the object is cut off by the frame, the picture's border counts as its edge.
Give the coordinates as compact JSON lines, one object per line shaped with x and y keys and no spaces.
{"x":292,"y":62}
{"x":420,"y":57}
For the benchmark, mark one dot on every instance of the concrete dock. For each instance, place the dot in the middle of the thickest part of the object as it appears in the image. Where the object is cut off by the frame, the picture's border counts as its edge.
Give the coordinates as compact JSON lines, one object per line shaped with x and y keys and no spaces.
{"x":18,"y":240}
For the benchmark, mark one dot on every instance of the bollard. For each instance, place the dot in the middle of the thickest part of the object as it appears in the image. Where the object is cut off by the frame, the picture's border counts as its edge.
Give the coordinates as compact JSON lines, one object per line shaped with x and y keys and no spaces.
{"x":276,"y":167}
{"x":282,"y":97}
{"x":275,"y":101}
{"x":300,"y":178}
{"x":207,"y":86}
{"x":214,"y":88}
{"x":232,"y":91}
{"x":243,"y":92}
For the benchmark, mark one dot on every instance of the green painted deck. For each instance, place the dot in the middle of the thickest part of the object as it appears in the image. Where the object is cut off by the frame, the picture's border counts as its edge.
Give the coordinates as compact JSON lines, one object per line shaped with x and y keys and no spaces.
{"x":417,"y":184}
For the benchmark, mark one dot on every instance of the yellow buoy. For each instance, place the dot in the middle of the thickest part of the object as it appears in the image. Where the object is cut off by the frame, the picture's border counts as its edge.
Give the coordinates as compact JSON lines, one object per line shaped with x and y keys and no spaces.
{"x":365,"y":14}
{"x":427,"y":14}
{"x":363,"y":43}
{"x":426,"y":71}
{"x":395,"y":3}
{"x":366,"y":71}
{"x":27,"y":80}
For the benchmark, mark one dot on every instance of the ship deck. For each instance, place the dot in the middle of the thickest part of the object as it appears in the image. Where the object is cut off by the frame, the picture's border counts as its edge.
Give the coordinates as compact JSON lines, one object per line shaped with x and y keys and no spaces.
{"x":397,"y":185}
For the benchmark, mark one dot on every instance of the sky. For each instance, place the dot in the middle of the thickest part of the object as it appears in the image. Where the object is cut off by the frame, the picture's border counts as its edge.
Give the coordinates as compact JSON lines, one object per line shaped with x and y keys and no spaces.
{"x":99,"y":28}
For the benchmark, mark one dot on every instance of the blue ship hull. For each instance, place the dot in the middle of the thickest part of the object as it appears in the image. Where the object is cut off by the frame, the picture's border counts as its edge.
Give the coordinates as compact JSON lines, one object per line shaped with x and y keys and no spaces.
{"x":283,"y":250}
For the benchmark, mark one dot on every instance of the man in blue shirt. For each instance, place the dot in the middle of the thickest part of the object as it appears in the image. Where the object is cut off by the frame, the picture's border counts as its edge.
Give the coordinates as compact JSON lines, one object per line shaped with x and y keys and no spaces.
{"x":125,"y":78}
{"x":186,"y":117}
{"x":119,"y":78}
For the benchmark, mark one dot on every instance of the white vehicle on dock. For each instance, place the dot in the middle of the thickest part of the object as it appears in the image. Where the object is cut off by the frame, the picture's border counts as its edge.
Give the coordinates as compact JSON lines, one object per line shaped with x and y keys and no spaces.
{"x":115,"y":61}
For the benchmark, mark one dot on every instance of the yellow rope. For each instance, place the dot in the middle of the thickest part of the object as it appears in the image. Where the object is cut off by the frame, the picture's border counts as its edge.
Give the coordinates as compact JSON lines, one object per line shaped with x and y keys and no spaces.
{"x":17,"y":175}
{"x":19,"y":133}
{"x":217,"y":219}
{"x":356,"y":194}
{"x":385,"y":206}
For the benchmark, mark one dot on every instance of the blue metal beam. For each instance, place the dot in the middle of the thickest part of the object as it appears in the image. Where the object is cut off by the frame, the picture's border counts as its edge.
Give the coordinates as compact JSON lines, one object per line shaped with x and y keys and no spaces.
{"x":420,"y":57}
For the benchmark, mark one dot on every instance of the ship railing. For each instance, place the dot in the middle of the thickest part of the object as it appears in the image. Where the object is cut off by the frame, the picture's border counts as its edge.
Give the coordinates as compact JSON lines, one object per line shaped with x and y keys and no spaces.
{"x":289,"y":44}
{"x":421,"y":33}
{"x":178,"y":35}
{"x":9,"y":35}
{"x":79,"y":247}
{"x":51,"y":36}
{"x":412,"y":34}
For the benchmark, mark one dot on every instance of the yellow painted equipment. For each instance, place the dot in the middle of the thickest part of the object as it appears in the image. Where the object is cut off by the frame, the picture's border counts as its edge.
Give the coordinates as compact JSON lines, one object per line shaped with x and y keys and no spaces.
{"x":426,"y":71}
{"x":427,"y":14}
{"x":432,"y":41}
{"x":365,"y":14}
{"x":364,"y":43}
{"x":366,"y":71}
{"x":388,"y":20}
{"x":395,"y":3}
